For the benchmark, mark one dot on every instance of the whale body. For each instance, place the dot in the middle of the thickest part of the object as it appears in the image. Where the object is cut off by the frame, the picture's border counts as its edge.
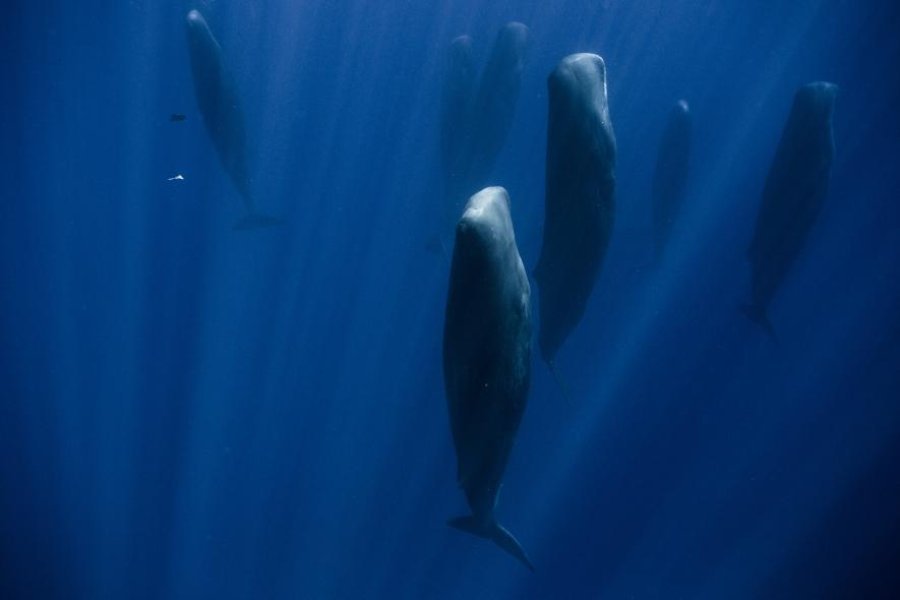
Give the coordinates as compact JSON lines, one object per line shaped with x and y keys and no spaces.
{"x":220,"y":107}
{"x":456,"y":102}
{"x":670,"y":175}
{"x":793,"y":196}
{"x":579,"y":198}
{"x":494,"y":105}
{"x":477,"y":112}
{"x":487,"y":358}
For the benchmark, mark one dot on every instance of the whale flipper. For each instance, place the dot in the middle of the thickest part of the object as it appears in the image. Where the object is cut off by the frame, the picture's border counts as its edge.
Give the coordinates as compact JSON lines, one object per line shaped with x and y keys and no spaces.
{"x":492,"y":530}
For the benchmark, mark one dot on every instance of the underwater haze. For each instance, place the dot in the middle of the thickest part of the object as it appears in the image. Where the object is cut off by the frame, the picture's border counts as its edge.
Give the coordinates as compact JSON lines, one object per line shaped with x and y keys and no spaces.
{"x":193,"y":411}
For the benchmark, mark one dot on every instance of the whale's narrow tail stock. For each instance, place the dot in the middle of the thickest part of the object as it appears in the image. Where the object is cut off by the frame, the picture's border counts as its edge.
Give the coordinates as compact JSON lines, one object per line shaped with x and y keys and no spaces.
{"x":492,"y":530}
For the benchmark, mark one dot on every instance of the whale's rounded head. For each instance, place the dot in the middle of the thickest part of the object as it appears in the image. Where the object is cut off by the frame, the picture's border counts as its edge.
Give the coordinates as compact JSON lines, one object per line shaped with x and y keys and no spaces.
{"x":200,"y":36}
{"x":485,"y":222}
{"x":577,"y":89}
{"x":515,"y":35}
{"x":580,"y":76}
{"x":194,"y":16}
{"x":461,"y":43}
{"x":489,"y":207}
{"x":680,"y":116}
{"x":817,"y":99}
{"x":461,"y":51}
{"x":195,"y":21}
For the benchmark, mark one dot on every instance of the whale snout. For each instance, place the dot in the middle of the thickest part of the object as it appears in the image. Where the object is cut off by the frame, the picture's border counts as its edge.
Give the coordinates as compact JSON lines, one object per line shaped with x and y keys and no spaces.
{"x":195,"y":19}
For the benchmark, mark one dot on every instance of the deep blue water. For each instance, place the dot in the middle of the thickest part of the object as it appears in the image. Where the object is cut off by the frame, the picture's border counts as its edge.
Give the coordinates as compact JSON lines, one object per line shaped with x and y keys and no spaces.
{"x":193,"y":412}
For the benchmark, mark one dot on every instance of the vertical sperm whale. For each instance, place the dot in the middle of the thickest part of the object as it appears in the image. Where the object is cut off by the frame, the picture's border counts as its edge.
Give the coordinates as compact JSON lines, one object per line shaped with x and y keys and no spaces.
{"x":579,"y":202}
{"x":670,"y":176}
{"x":477,"y":112}
{"x":219,"y":104}
{"x":494,"y":105}
{"x":456,"y":104}
{"x":793,"y":196}
{"x":487,"y":358}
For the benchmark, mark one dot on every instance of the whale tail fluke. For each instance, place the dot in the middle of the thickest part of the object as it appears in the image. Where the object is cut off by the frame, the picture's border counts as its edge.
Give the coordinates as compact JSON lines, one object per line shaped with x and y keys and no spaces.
{"x":256,"y":221}
{"x":492,"y":530}
{"x":758,"y":315}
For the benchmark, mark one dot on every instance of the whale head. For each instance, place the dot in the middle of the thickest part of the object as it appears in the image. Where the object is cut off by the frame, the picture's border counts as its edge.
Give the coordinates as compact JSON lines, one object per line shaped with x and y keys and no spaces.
{"x":817,"y":99}
{"x":195,"y":19}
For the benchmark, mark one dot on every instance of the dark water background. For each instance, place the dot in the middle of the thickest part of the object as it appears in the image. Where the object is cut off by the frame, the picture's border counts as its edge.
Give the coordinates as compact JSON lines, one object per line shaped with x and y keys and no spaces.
{"x":191,"y":412}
